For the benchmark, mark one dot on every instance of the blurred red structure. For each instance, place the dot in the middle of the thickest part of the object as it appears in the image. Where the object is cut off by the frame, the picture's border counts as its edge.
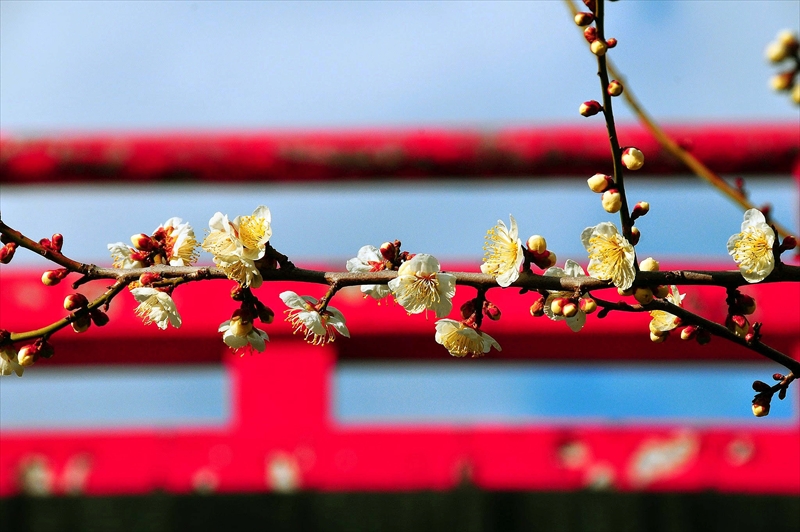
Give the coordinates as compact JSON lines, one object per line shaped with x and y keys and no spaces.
{"x":282,"y":399}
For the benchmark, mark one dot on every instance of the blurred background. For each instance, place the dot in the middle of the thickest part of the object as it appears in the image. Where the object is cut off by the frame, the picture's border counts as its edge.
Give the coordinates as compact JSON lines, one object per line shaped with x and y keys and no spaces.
{"x":140,"y":418}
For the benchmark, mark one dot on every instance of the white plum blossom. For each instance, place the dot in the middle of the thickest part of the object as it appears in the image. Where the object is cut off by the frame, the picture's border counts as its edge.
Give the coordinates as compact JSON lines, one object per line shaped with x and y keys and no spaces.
{"x":8,"y":361}
{"x":156,"y":307}
{"x":503,"y":254}
{"x":611,"y":256}
{"x":571,"y":269}
{"x":237,"y":334}
{"x":421,"y":285}
{"x":369,"y":259}
{"x":121,"y":253}
{"x":318,"y":327}
{"x":180,"y":242}
{"x":752,"y":248}
{"x":462,"y":340}
{"x":662,"y":321}
{"x":237,"y":244}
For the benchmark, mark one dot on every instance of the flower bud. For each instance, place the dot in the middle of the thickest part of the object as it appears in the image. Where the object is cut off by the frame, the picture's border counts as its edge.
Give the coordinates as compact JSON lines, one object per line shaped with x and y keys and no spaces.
{"x":46,"y":349}
{"x":590,"y":108}
{"x":658,"y":336}
{"x":612,"y":200}
{"x":569,"y":309}
{"x":643,"y":295}
{"x":143,"y":242}
{"x":240,"y":327}
{"x":783,"y":81}
{"x":600,"y":182}
{"x":491,"y":311}
{"x":591,"y":4}
{"x":81,"y":323}
{"x":537,"y":244}
{"x":737,"y":324}
{"x":389,"y":250}
{"x":46,"y":244}
{"x":788,"y":39}
{"x":550,"y":259}
{"x":777,"y":376}
{"x":661,"y":291}
{"x":537,"y":309}
{"x":640,"y":209}
{"x":58,"y":241}
{"x":632,"y":158}
{"x":649,"y":265}
{"x":789,"y":242}
{"x":703,"y":336}
{"x":557,"y":305}
{"x":98,"y":317}
{"x":148,"y":278}
{"x":750,"y":337}
{"x":587,"y":305}
{"x":7,"y":252}
{"x":598,"y":48}
{"x":584,"y":19}
{"x":590,"y":34}
{"x":761,"y":405}
{"x":28,"y":355}
{"x":746,"y":304}
{"x":53,"y":277}
{"x":776,"y":52}
{"x":468,"y":309}
{"x":265,"y":314}
{"x":689,"y":332}
{"x":614,"y":88}
{"x":611,"y":43}
{"x":75,"y":301}
{"x":635,"y":235}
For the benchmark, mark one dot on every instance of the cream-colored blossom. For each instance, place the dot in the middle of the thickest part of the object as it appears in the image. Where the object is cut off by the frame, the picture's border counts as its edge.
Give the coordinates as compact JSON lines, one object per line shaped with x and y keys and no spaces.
{"x":611,"y":256}
{"x":503,"y":253}
{"x":369,"y":259}
{"x":121,"y":253}
{"x":8,"y":361}
{"x":318,"y":328}
{"x":156,"y":307}
{"x":752,"y":248}
{"x":664,"y":321}
{"x":237,"y":336}
{"x":181,"y":243}
{"x":421,"y":285}
{"x":237,"y":244}
{"x":571,"y":269}
{"x":461,"y":340}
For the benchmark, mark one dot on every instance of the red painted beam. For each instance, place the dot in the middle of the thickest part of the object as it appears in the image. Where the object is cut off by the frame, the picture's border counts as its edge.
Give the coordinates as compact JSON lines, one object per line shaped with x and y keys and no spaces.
{"x":380,"y":154}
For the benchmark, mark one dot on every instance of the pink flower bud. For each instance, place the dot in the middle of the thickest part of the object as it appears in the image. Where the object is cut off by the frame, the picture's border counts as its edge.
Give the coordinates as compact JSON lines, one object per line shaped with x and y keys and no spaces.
{"x":58,"y":241}
{"x":28,"y":355}
{"x":590,"y":34}
{"x":777,"y":376}
{"x":7,"y":252}
{"x":468,"y":309}
{"x":82,"y":323}
{"x":782,"y":81}
{"x":389,"y":250}
{"x":761,"y":405}
{"x":640,"y":209}
{"x":143,"y":242}
{"x":614,"y":88}
{"x":689,"y":332}
{"x":557,"y":305}
{"x":99,"y":317}
{"x":46,"y":244}
{"x":590,"y":108}
{"x":265,"y":314}
{"x":746,"y":304}
{"x":537,"y":309}
{"x":788,"y":243}
{"x":612,"y":200}
{"x":587,"y":305}
{"x":737,"y":324}
{"x":53,"y":277}
{"x":537,"y":244}
{"x":635,"y":235}
{"x":148,"y":278}
{"x":643,"y":295}
{"x":611,"y":43}
{"x":491,"y":311}
{"x":632,"y":158}
{"x":46,"y":350}
{"x":569,"y":309}
{"x":598,"y":48}
{"x":584,"y":19}
{"x":75,"y":301}
{"x":591,"y":4}
{"x":600,"y":182}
